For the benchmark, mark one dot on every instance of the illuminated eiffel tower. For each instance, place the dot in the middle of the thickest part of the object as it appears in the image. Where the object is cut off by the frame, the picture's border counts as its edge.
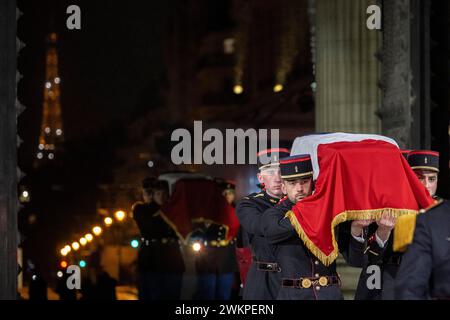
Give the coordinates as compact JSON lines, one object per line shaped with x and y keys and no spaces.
{"x":52,"y":135}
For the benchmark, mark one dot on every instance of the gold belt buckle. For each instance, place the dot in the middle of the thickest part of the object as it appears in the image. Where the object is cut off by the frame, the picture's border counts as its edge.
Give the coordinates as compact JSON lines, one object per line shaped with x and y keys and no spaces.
{"x":306,"y":283}
{"x":323,"y":281}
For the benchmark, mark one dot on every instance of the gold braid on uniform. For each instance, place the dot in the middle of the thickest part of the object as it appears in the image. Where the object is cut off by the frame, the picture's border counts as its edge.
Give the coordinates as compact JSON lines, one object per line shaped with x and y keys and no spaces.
{"x":372,"y":214}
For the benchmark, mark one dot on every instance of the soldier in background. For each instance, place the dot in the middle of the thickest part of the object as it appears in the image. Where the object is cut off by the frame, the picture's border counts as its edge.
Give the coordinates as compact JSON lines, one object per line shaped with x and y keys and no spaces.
{"x":381,"y":253}
{"x":425,"y":164}
{"x":263,"y":278}
{"x":160,"y":263}
{"x":215,"y":263}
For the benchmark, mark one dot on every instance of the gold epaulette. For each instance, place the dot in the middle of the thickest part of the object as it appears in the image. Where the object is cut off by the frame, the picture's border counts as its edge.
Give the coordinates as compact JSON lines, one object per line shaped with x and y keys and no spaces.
{"x":405,"y":226}
{"x":435,"y":204}
{"x":258,"y":195}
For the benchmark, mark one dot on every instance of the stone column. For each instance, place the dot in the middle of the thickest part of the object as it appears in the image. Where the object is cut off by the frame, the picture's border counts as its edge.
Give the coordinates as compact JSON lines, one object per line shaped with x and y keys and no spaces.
{"x":347,"y":70}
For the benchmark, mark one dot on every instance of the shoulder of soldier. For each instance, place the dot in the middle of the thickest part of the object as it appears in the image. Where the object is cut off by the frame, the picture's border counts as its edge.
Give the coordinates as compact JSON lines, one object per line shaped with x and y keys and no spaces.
{"x":437,"y":203}
{"x":435,"y":212}
{"x":137,"y":206}
{"x":253,"y":196}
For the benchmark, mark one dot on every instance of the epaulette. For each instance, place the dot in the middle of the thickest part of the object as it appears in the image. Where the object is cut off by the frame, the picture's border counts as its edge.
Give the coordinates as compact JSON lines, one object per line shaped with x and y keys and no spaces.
{"x":435,"y":204}
{"x":273,"y":200}
{"x":258,"y":195}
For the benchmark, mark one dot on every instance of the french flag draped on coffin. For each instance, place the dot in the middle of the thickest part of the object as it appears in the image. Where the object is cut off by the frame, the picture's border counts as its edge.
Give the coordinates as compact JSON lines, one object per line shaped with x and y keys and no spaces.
{"x":357,"y":176}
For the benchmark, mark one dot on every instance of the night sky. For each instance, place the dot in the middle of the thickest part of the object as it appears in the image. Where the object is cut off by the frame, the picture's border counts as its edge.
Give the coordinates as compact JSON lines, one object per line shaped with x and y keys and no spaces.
{"x":108,"y":69}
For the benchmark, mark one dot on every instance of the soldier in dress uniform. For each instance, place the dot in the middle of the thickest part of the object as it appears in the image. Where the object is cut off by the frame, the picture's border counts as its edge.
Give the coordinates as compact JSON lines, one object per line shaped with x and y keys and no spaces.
{"x":160,"y":263}
{"x":303,"y":276}
{"x":263,"y":278}
{"x":425,"y":269}
{"x":379,"y":253}
{"x":425,"y":164}
{"x":215,"y":261}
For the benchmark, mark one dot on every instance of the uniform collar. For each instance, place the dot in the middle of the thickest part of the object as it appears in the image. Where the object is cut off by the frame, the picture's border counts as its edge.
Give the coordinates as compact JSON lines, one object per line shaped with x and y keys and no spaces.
{"x":270,"y":198}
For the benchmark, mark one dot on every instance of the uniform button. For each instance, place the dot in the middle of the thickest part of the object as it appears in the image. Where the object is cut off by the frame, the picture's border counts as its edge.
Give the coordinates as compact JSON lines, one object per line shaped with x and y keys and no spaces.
{"x":317,"y":288}
{"x":316,"y":263}
{"x":316,"y":275}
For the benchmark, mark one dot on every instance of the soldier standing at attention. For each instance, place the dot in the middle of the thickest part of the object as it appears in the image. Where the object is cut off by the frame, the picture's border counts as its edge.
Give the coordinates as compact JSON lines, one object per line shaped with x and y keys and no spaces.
{"x":160,"y":263}
{"x":263,"y":278}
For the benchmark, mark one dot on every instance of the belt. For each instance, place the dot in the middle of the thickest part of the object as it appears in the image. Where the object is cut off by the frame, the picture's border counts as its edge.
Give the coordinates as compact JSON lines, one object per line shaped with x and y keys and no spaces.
{"x":307,"y":282}
{"x":395,"y":260}
{"x":267,"y":266}
{"x":149,"y":242}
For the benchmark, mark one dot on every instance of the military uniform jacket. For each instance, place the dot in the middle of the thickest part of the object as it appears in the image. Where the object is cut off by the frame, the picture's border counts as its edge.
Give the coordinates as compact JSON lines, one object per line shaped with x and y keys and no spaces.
{"x":296,"y":261}
{"x":216,"y":257}
{"x":425,"y":269}
{"x":259,"y":285}
{"x":159,"y":248}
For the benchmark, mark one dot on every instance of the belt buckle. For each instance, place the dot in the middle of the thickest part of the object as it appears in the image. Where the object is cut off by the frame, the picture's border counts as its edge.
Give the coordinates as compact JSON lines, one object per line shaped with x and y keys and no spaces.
{"x":323,"y":281}
{"x":306,"y":283}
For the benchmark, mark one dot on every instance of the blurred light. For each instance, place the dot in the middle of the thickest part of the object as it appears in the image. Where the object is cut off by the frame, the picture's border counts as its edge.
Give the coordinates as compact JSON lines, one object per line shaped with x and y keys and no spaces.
{"x":82,"y":263}
{"x":58,"y":132}
{"x":97,"y":230}
{"x":67,"y":248}
{"x":64,"y":252}
{"x":48,"y":85}
{"x":41,"y":146}
{"x":88,"y":237}
{"x":51,"y":156}
{"x":25,"y":194}
{"x":59,"y":274}
{"x":196,"y":246}
{"x":47,"y":130}
{"x":228,"y":45}
{"x":314,"y":86}
{"x":108,"y":221}
{"x":120,"y":215}
{"x":34,"y":277}
{"x":277,"y":88}
{"x":75,"y":246}
{"x":40,"y":155}
{"x":134,"y":243}
{"x":63,"y":264}
{"x":238,"y":89}
{"x":57,"y":80}
{"x":150,"y":164}
{"x":83,"y":241}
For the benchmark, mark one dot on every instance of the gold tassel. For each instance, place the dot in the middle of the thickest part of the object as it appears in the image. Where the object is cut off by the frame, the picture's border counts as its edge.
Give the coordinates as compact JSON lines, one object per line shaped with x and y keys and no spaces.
{"x":404,"y":232}
{"x":371,"y":214}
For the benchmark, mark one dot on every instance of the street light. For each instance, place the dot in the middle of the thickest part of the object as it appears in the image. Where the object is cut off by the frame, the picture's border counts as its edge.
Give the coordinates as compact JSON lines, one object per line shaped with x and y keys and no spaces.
{"x":120,"y":215}
{"x":108,"y":221}
{"x":64,"y":252}
{"x":67,"y":248}
{"x":83,"y":241}
{"x":97,"y":230}
{"x":89,"y":237}
{"x":75,"y":246}
{"x":278,"y":87}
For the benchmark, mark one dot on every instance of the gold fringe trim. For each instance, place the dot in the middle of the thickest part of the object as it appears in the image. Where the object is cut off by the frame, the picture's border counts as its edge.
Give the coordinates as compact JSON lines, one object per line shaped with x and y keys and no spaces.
{"x":342,"y":217}
{"x":404,"y":232}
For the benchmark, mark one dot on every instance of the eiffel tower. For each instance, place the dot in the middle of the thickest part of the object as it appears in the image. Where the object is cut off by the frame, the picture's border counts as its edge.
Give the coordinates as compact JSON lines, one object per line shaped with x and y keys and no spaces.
{"x":52,"y":135}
